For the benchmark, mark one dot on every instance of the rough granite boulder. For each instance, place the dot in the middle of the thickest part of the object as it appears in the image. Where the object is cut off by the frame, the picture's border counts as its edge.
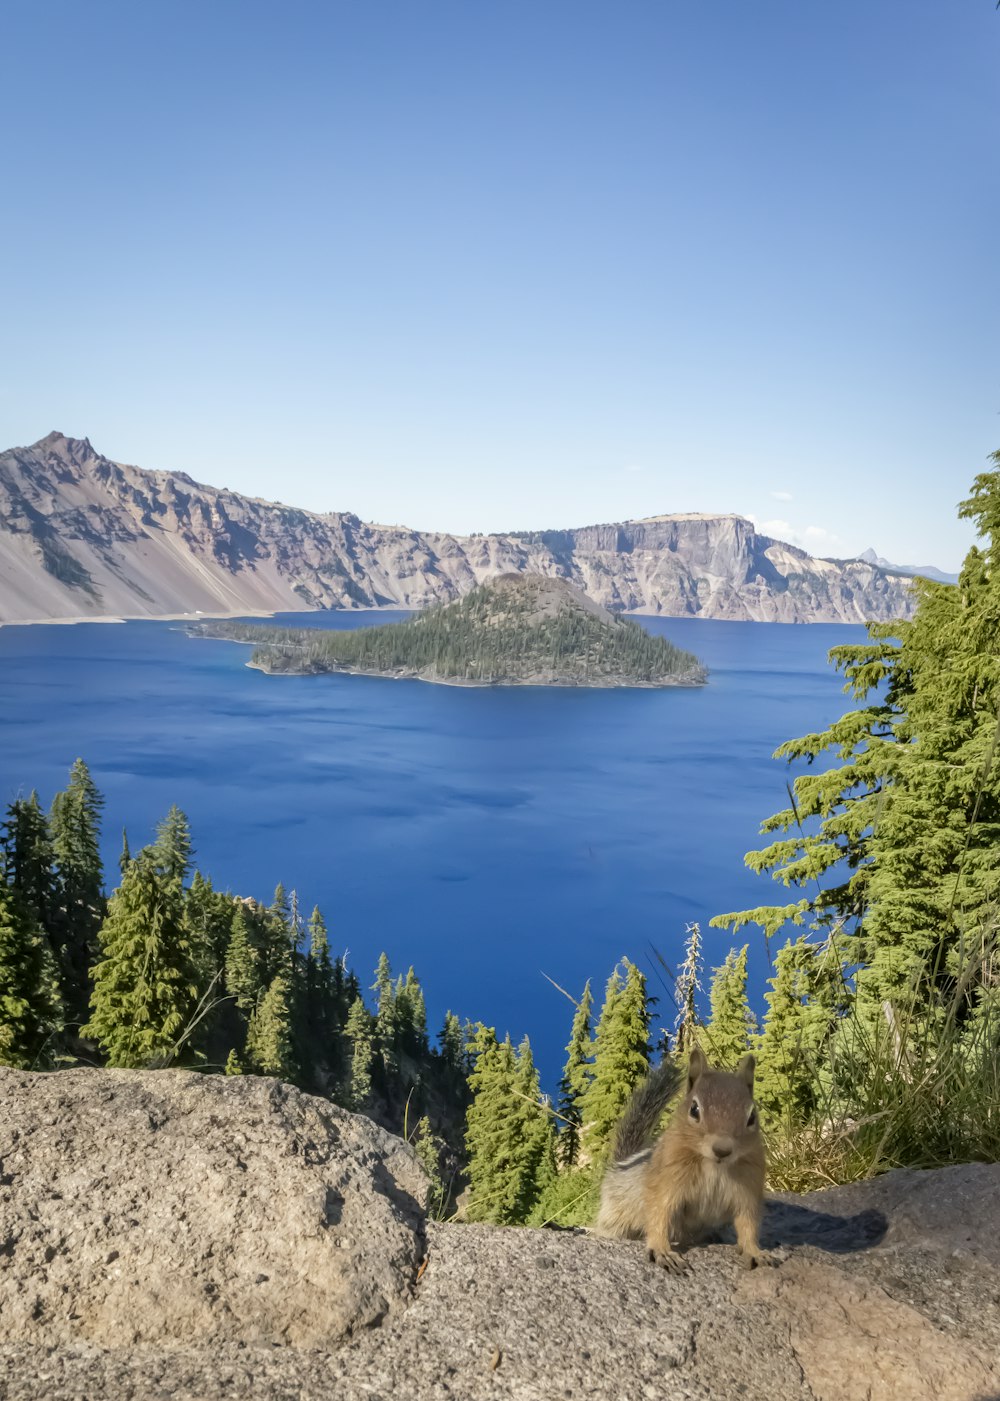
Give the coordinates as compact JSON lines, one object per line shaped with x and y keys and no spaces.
{"x":883,"y":1291}
{"x":169,"y":1207}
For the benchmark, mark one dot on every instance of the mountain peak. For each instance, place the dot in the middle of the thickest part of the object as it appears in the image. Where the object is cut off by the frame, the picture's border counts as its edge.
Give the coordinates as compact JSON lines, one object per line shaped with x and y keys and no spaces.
{"x":923,"y":571}
{"x":61,"y":443}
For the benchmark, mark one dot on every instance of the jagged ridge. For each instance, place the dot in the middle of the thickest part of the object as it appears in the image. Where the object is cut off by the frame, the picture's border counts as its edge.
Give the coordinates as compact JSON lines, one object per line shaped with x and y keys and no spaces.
{"x":81,"y":535}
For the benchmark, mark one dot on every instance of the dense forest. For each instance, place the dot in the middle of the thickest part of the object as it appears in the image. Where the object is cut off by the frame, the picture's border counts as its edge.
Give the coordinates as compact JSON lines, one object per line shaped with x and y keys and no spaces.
{"x":879,"y":1045}
{"x":515,"y":629}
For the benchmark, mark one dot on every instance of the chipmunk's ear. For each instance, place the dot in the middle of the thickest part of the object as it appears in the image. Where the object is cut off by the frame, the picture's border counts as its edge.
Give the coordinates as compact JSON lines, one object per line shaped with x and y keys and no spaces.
{"x":697,"y":1066}
{"x":745,"y":1071}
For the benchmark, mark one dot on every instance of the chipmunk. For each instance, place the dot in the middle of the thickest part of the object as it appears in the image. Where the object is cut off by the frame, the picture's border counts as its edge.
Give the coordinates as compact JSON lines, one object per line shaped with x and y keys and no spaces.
{"x":704,"y":1171}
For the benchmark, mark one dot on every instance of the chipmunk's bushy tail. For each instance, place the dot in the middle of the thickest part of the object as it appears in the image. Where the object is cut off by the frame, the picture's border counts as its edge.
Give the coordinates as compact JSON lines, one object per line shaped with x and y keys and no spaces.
{"x":645,"y":1109}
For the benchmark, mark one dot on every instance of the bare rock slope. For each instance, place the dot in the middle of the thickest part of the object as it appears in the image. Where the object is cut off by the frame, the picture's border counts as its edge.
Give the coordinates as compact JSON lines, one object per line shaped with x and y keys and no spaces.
{"x":293,"y":1272}
{"x":81,"y":535}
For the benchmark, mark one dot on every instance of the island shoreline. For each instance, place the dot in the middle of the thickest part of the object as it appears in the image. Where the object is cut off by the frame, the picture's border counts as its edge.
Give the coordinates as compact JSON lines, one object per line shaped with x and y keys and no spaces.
{"x":538,"y":685}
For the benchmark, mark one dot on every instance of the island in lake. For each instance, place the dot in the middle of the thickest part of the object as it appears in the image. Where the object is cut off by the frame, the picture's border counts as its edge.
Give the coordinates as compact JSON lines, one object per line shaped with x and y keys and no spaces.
{"x":515,"y":630}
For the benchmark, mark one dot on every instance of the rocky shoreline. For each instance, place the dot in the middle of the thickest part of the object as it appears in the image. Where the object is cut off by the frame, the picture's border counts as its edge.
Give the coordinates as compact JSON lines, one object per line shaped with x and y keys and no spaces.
{"x":602,"y":684}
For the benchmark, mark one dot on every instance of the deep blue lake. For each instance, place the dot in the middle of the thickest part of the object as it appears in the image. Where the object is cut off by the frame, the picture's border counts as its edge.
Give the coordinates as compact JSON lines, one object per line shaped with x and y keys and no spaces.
{"x":485,"y":836}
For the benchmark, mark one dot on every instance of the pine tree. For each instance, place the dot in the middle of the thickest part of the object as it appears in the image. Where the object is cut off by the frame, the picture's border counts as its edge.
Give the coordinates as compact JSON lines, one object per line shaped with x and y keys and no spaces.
{"x":385,"y":1016}
{"x":686,"y":993}
{"x":172,"y":852}
{"x":575,"y":1082}
{"x":452,"y":1044}
{"x":535,"y":1134}
{"x":269,"y":1037}
{"x":209,"y":915}
{"x":492,"y":1081}
{"x":360,"y":1040}
{"x":895,"y":846}
{"x":621,"y":1054}
{"x":428,"y":1150}
{"x":242,"y":971}
{"x":74,"y":825}
{"x":508,"y":1134}
{"x":319,"y":945}
{"x":410,"y":1017}
{"x":804,"y":1005}
{"x":279,"y":908}
{"x":294,"y":920}
{"x":27,"y":858}
{"x":146,"y":981}
{"x":320,"y":1010}
{"x":273,"y":938}
{"x":731,"y":1027}
{"x":30,"y":1007}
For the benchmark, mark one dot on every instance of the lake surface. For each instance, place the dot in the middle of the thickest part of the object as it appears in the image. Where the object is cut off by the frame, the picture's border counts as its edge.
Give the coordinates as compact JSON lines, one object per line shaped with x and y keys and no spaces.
{"x":487,"y":836}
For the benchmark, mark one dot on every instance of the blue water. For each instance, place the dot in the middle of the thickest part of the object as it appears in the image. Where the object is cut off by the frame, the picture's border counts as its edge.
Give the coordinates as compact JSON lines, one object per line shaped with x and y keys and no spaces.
{"x":485,"y":836}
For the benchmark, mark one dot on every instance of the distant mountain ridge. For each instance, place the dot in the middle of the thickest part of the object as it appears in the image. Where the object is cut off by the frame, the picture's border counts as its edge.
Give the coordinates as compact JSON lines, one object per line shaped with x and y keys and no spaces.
{"x":81,"y":535}
{"x":914,"y":571}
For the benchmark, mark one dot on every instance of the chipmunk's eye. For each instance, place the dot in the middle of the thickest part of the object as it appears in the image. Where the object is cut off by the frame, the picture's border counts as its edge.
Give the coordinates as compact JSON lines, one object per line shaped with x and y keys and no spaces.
{"x":695,"y":1111}
{"x":752,"y":1118}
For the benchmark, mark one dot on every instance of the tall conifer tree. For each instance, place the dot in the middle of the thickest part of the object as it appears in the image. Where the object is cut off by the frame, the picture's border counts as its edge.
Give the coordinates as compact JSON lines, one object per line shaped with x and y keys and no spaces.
{"x":804,"y":1005}
{"x":621,"y":1054}
{"x":687,"y":1021}
{"x":146,"y":984}
{"x":895,"y":845}
{"x":508,"y":1134}
{"x":243,"y":979}
{"x":27,"y":858}
{"x":172,"y":852}
{"x":575,"y":1081}
{"x":30,"y":1006}
{"x":385,"y":1015}
{"x":269,"y":1036}
{"x":428,"y":1150}
{"x":75,"y":826}
{"x":360,"y":1040}
{"x":731,"y":1026}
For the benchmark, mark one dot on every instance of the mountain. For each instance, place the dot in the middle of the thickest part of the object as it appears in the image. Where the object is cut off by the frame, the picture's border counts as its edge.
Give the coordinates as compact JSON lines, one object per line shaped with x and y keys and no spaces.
{"x":515,"y":630}
{"x":923,"y":571}
{"x":81,"y":535}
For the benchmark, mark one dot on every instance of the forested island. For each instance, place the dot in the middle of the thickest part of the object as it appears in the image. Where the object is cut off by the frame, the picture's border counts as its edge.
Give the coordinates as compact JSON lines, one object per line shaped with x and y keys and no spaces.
{"x":516,"y":630}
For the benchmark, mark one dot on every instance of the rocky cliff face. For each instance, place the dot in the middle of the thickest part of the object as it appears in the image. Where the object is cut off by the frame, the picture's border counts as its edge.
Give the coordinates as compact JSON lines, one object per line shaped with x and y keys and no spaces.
{"x":81,"y":535}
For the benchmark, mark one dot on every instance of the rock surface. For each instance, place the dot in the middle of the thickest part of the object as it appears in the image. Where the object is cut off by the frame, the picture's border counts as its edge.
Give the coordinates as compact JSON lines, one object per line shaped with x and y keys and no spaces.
{"x":81,"y":535}
{"x":885,"y":1291}
{"x":174,"y":1208}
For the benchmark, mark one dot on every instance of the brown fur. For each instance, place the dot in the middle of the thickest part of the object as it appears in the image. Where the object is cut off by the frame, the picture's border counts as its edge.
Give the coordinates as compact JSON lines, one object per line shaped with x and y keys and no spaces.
{"x":705,"y":1171}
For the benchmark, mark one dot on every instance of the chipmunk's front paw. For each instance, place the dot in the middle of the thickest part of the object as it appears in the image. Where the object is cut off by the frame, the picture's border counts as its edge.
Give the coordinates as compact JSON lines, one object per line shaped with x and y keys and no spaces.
{"x":670,"y":1261}
{"x":754,"y":1259}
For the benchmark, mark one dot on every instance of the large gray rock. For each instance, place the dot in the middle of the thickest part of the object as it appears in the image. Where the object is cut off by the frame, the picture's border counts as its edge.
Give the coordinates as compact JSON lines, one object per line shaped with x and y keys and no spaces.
{"x":886,"y":1291}
{"x":167,"y":1207}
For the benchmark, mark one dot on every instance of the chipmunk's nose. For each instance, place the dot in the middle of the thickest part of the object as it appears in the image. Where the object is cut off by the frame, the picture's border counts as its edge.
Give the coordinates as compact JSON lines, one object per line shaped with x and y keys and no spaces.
{"x":722,"y":1150}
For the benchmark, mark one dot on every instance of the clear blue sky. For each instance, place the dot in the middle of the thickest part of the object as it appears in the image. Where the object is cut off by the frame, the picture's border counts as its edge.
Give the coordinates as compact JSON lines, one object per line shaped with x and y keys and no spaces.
{"x":515,"y":263}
